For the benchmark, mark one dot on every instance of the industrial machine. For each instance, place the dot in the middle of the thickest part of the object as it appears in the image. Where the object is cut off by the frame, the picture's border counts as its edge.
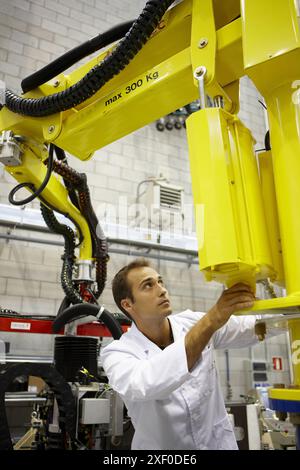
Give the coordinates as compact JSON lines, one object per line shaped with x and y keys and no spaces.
{"x":246,"y":211}
{"x":257,"y":427}
{"x":70,"y":406}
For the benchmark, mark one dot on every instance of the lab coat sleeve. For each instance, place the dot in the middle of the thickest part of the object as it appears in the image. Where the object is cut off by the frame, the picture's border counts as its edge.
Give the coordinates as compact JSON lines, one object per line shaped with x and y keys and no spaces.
{"x":239,"y":332}
{"x":145,"y":379}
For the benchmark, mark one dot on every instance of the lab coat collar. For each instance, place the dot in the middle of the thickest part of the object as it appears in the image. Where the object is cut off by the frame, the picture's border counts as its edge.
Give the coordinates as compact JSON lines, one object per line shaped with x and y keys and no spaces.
{"x":146,"y":343}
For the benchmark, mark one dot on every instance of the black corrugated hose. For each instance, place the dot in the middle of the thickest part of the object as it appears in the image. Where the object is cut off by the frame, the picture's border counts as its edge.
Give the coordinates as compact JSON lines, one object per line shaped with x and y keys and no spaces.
{"x":84,"y":310}
{"x":61,"y":156}
{"x":68,"y":256}
{"x":99,"y":243}
{"x":125,"y":51}
{"x":76,"y":54}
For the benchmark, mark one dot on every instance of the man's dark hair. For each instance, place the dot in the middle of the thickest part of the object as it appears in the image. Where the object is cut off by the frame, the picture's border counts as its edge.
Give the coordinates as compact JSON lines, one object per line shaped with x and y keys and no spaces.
{"x":120,"y":286}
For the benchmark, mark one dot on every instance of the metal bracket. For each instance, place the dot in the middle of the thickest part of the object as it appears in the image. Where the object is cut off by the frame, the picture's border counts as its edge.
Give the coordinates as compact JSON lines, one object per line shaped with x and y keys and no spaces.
{"x":84,"y":270}
{"x":53,"y":123}
{"x":199,"y":74}
{"x":10,"y":151}
{"x":204,"y":51}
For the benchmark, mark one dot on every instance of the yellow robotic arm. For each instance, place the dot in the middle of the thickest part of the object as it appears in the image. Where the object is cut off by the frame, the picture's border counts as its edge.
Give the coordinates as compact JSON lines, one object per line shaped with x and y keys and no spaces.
{"x":197,"y":48}
{"x":247,"y":212}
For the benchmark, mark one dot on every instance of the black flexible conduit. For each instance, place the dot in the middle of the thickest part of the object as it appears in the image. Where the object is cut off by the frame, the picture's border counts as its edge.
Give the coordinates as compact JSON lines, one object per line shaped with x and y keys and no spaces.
{"x":62,"y":391}
{"x":83,"y":310}
{"x":100,"y":249}
{"x":68,"y":256}
{"x":125,"y":51}
{"x":100,"y":252}
{"x":65,"y":303}
{"x":76,"y":54}
{"x":61,"y":156}
{"x":65,"y":214}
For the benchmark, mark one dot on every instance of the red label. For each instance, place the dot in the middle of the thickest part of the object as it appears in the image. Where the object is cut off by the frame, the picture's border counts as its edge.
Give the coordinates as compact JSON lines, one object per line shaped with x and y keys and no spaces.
{"x":277,"y":363}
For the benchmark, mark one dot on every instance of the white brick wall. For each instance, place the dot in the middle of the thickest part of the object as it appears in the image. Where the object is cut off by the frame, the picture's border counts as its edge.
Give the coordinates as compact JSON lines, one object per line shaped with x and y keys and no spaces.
{"x":32,"y":33}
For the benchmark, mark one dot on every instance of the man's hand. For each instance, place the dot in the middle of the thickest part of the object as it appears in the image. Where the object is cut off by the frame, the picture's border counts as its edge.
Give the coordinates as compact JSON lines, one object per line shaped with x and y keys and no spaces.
{"x":238,"y":297}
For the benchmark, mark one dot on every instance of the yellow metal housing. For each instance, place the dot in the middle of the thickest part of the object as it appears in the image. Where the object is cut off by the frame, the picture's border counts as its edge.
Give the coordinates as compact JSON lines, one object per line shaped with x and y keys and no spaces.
{"x":271,"y":213}
{"x":243,"y":222}
{"x":238,"y":241}
{"x":55,"y":194}
{"x":232,"y":236}
{"x":156,"y":82}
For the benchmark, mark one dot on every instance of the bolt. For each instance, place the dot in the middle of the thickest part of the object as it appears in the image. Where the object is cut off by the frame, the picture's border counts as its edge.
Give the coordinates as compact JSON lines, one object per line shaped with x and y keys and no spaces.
{"x":51,"y":129}
{"x":203,"y":43}
{"x":56,"y":83}
{"x":200,"y":71}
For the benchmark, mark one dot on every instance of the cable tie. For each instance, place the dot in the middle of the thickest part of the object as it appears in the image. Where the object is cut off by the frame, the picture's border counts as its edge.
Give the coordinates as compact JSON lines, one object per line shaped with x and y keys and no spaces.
{"x":101,"y":310}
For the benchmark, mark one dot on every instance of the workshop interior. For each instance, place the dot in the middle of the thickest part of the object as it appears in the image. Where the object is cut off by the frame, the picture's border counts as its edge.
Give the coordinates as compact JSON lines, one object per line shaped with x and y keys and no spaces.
{"x":167,"y":130}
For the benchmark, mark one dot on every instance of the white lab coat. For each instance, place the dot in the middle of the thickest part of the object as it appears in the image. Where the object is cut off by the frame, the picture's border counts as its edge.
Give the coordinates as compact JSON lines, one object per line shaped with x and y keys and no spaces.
{"x":170,"y":407}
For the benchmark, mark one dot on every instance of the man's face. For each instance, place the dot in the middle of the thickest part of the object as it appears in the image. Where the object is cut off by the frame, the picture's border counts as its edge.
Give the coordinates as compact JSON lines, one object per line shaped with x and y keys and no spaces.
{"x":150,"y":297}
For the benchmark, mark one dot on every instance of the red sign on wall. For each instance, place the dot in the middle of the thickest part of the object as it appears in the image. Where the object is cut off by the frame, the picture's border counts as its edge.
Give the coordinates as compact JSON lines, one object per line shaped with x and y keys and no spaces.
{"x":277,"y":363}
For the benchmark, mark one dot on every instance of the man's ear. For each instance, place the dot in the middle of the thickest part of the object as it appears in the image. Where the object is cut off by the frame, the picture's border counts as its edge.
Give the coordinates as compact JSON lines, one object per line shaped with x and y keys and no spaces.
{"x":127,"y":305}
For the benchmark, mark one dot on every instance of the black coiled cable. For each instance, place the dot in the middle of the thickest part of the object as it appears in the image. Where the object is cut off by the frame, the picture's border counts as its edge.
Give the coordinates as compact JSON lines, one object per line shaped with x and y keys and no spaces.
{"x":124,"y":52}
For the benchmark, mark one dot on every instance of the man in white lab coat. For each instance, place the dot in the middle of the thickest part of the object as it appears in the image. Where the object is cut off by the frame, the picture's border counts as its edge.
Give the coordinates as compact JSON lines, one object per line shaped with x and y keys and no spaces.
{"x":164,"y":367}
